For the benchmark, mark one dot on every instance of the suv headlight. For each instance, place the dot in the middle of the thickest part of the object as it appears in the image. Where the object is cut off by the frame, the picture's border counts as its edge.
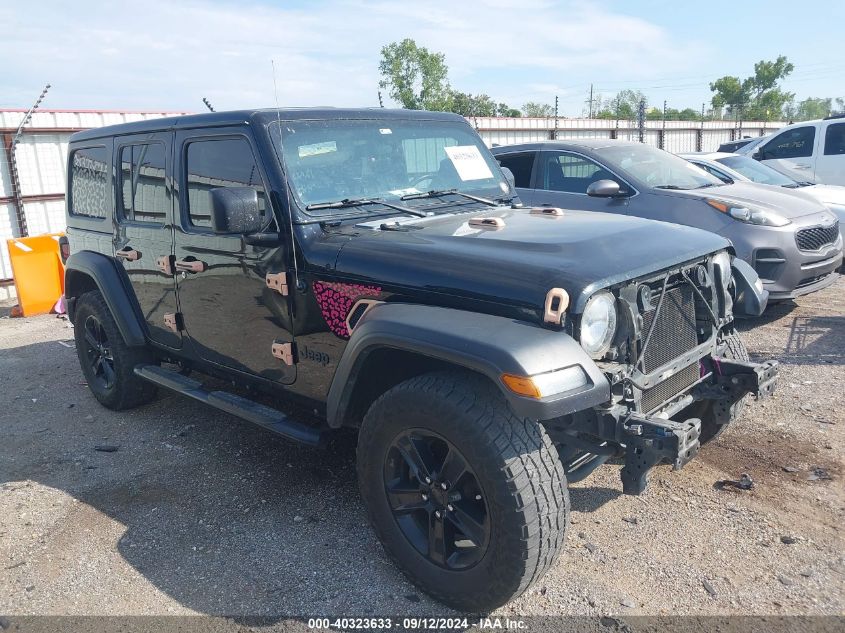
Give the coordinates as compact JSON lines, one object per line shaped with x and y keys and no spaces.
{"x":598,"y":324}
{"x":748,"y":213}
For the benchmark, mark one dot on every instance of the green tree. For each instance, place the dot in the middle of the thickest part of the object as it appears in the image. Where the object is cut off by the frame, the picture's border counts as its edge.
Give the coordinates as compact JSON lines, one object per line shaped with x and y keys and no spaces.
{"x":414,"y":76}
{"x":534,"y":109}
{"x":813,"y":108}
{"x":503,"y":109}
{"x":466,"y":104}
{"x":623,"y":106}
{"x":755,"y":97}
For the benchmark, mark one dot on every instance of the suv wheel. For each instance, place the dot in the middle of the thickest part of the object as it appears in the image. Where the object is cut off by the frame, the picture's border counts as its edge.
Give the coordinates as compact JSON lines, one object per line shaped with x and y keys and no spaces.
{"x":715,"y":415}
{"x":106,"y":360}
{"x":468,"y":500}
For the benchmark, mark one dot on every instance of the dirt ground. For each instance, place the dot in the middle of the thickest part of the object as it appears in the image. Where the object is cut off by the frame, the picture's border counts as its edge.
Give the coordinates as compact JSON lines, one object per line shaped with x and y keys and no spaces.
{"x":198,"y":512}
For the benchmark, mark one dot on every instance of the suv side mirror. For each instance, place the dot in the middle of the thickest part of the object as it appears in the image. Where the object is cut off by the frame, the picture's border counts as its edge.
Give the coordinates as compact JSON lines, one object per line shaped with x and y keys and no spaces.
{"x":235,"y":210}
{"x":604,"y":188}
{"x":509,"y":176}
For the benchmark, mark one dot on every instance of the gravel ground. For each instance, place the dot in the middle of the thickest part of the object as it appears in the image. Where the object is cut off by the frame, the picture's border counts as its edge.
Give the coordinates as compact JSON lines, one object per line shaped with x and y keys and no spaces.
{"x":198,"y":512}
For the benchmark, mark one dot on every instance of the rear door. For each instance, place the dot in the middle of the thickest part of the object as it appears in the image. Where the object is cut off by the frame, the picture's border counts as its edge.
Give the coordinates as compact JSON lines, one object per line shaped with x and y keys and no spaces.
{"x":830,"y":164}
{"x":143,"y":241}
{"x":231,"y":316}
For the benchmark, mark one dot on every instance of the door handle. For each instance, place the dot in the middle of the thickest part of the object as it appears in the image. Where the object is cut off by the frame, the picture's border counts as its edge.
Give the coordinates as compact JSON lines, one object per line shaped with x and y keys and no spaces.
{"x":128,"y":253}
{"x":190,"y":266}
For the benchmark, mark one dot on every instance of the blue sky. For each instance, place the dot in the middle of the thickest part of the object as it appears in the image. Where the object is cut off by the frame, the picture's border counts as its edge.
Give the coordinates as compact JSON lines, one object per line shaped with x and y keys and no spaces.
{"x":168,"y":54}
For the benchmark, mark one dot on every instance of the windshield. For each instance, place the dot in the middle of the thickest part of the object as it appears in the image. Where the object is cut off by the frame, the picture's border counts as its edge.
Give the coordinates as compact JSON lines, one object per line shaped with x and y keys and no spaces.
{"x":657,"y":168}
{"x":350,"y":160}
{"x":756,"y":171}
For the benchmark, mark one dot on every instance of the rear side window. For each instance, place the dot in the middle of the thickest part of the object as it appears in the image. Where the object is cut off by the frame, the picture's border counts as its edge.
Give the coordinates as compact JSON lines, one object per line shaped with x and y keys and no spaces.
{"x":213,"y":163}
{"x":142,"y":183}
{"x":796,"y":143}
{"x":89,"y":182}
{"x":521,"y":165}
{"x":834,"y":139}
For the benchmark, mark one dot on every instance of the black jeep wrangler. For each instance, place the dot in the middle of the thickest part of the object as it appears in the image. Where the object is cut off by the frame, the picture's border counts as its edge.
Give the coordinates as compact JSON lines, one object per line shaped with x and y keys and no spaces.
{"x":376,"y":267}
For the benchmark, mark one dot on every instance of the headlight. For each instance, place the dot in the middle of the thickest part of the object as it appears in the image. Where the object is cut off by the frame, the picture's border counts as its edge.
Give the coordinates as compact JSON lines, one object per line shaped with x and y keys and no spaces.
{"x":748,"y":213}
{"x":598,"y":324}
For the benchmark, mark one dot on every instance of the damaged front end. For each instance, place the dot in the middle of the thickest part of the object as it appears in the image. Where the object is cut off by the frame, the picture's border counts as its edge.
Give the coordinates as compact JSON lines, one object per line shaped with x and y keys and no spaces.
{"x":673,"y":357}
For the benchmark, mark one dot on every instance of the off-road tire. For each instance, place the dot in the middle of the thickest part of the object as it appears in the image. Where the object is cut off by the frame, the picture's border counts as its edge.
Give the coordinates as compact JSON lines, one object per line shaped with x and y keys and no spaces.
{"x":517,"y":468}
{"x":706,"y":409}
{"x":127,"y":390}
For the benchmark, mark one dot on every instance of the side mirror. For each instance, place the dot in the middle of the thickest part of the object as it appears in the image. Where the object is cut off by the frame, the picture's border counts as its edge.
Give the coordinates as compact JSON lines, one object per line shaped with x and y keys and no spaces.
{"x":603,"y":189}
{"x":758,"y":154}
{"x":509,"y":177}
{"x":235,"y":210}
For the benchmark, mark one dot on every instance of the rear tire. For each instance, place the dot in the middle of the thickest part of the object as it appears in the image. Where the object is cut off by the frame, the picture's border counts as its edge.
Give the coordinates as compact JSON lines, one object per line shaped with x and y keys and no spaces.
{"x":715,"y":416}
{"x":106,"y":360}
{"x":511,"y":497}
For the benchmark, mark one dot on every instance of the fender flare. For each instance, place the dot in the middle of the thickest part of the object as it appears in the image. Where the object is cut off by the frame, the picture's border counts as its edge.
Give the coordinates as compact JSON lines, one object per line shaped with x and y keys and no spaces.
{"x":749,"y":301}
{"x":108,"y":279}
{"x":487,"y":344}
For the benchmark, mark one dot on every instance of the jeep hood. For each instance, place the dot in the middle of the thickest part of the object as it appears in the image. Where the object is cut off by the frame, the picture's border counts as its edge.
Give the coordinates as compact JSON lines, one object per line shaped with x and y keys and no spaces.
{"x":778,"y":199}
{"x":519,"y":262}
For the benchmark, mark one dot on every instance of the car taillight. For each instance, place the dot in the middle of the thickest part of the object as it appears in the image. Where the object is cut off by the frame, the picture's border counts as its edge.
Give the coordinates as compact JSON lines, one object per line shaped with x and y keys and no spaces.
{"x":64,"y":248}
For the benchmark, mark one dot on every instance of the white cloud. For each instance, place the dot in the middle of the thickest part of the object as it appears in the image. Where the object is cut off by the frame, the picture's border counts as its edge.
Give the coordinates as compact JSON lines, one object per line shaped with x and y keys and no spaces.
{"x":165,"y":54}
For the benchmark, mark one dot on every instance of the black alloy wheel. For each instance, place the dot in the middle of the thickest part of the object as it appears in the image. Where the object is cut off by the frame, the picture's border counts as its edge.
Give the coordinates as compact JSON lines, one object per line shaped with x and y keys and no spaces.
{"x":436,"y":499}
{"x":99,"y":353}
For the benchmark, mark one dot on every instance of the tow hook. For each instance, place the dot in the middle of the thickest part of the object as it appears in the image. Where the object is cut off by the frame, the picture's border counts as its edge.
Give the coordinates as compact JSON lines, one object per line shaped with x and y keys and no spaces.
{"x":651,"y":441}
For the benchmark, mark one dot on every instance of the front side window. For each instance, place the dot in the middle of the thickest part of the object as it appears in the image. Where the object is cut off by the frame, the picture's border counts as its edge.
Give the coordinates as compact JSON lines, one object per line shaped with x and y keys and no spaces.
{"x":834,"y":139}
{"x":571,"y":173}
{"x":796,"y":143}
{"x":142,"y":183}
{"x":520,"y":165}
{"x":89,"y":170}
{"x":655,"y":168}
{"x":213,"y":163}
{"x":335,"y":160}
{"x":756,"y":171}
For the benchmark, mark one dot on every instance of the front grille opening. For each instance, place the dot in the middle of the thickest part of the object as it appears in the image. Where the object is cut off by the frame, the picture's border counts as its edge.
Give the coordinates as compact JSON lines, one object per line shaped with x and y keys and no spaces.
{"x":817,"y":237}
{"x":674,"y":332}
{"x":662,"y":392}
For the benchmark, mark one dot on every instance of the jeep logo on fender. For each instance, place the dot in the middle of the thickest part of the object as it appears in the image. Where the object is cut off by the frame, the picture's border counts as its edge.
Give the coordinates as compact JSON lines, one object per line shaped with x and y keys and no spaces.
{"x":315,"y":356}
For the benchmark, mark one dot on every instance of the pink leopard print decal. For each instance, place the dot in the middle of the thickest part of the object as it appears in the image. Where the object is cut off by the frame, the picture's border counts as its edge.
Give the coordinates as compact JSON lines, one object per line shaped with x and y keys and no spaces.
{"x":336,"y":300}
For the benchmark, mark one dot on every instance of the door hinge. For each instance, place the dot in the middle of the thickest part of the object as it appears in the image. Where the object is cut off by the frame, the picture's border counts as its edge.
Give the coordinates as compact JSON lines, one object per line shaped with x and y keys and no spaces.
{"x":285,"y":352}
{"x":165,"y":264}
{"x":277,"y":282}
{"x":173,"y":321}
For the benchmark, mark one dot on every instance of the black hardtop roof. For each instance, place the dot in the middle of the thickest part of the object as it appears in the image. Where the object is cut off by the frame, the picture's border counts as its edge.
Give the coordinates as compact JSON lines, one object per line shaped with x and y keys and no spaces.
{"x":259,"y":117}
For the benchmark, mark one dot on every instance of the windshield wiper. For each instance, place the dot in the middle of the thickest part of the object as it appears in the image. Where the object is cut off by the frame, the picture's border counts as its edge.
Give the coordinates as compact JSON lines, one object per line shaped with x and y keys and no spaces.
{"x":711,"y":184}
{"x":672,"y":187}
{"x":360,"y":202}
{"x":445,"y":192}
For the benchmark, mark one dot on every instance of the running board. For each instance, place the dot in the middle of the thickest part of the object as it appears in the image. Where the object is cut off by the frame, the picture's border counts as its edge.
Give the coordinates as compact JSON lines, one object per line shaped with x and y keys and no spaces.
{"x":271,"y":419}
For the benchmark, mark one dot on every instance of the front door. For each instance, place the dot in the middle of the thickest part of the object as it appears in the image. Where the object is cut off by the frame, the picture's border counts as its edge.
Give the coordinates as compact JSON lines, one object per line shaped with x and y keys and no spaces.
{"x":792,"y":152}
{"x":231,"y":316}
{"x":144,"y":236}
{"x":562,"y":181}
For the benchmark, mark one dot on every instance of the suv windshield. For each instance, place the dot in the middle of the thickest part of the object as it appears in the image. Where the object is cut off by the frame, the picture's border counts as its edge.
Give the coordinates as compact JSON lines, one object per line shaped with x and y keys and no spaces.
{"x":657,"y":168}
{"x":347,"y":160}
{"x":756,"y":171}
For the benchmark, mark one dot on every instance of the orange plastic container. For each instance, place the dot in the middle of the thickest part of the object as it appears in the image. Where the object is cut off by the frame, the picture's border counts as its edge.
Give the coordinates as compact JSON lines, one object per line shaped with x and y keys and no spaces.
{"x":38,"y":271}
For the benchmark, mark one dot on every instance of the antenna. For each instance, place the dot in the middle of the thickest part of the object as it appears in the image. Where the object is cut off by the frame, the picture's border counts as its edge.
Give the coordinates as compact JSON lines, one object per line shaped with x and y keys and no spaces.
{"x":208,"y":105}
{"x":287,"y":188}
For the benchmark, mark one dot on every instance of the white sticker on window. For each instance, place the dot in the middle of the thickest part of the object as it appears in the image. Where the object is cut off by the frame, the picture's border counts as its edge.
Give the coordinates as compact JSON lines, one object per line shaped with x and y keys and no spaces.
{"x":468,"y":162}
{"x":385,"y":130}
{"x":317,"y":148}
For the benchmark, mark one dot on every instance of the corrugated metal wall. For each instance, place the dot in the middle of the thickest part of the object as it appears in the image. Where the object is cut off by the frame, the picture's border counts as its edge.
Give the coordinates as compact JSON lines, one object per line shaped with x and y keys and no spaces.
{"x":42,"y":150}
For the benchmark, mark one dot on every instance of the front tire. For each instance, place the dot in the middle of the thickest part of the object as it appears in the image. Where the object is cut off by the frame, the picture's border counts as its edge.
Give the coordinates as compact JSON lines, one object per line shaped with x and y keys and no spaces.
{"x":107,"y":362}
{"x":468,"y":500}
{"x":716,"y":415}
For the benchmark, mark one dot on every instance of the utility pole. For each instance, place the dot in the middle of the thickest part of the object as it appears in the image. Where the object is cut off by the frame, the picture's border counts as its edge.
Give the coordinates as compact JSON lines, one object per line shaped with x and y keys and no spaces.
{"x":699,"y":145}
{"x":554,"y":137}
{"x":662,"y":140}
{"x":208,"y":105}
{"x":380,"y":102}
{"x":591,"y":102}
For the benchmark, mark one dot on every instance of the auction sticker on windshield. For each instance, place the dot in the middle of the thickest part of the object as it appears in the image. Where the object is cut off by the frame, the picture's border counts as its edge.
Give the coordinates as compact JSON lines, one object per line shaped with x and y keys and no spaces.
{"x":468,"y":162}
